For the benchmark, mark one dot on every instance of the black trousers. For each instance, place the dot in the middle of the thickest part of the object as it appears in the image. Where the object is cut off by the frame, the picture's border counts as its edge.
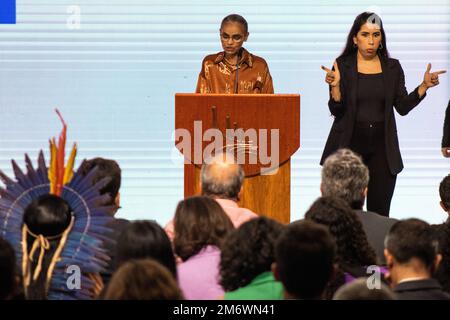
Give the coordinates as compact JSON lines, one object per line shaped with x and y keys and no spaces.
{"x":368,"y":141}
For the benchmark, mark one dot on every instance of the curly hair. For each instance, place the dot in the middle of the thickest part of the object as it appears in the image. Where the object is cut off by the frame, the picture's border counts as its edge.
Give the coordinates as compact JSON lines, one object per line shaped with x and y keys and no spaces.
{"x":353,"y":248}
{"x":248,"y":251}
{"x":199,"y":221}
{"x":444,"y":192}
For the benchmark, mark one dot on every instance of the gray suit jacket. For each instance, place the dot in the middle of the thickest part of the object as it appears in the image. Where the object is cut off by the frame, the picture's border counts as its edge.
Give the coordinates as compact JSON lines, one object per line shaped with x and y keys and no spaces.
{"x":376,"y":228}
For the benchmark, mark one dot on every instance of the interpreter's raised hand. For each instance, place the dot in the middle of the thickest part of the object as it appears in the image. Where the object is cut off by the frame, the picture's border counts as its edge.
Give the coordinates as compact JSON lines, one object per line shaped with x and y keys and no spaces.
{"x":333,"y":77}
{"x":431,"y":79}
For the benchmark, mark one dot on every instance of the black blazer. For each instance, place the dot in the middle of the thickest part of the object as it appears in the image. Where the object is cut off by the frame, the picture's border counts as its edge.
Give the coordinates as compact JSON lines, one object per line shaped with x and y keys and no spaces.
{"x":446,"y":135}
{"x":376,"y":228}
{"x":345,"y":111}
{"x":426,"y":289}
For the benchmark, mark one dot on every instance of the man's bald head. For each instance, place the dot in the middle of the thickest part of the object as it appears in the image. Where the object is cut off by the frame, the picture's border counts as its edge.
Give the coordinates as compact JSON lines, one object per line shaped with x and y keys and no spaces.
{"x":222,"y":177}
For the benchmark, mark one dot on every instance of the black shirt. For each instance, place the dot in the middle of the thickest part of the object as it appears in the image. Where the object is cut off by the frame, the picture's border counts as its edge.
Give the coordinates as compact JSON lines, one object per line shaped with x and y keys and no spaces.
{"x":370,"y":98}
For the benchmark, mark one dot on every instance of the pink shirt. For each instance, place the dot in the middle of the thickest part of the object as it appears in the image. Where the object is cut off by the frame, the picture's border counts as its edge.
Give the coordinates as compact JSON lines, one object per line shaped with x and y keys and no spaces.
{"x":236,"y":214}
{"x":198,"y":276}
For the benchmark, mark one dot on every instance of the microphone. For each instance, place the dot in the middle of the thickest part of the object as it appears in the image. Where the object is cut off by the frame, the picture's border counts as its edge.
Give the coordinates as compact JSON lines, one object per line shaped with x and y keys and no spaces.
{"x":258,"y":85}
{"x":236,"y":82}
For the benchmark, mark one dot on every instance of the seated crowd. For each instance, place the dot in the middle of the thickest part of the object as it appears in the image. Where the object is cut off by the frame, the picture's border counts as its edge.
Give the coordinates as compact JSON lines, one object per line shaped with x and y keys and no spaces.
{"x":214,"y":249}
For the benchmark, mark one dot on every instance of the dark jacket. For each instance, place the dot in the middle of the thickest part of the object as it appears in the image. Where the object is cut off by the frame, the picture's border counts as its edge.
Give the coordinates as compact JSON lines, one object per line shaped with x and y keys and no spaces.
{"x":345,"y":111}
{"x":428,"y":289}
{"x":446,"y":135}
{"x":376,"y":228}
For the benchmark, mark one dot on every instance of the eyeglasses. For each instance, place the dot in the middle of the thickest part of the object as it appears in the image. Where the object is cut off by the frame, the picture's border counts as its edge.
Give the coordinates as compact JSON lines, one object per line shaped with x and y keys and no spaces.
{"x":234,"y":37}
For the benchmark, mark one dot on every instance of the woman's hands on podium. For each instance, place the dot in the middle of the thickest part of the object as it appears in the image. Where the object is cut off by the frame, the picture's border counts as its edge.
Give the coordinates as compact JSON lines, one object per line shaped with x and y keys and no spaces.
{"x":333,"y":78}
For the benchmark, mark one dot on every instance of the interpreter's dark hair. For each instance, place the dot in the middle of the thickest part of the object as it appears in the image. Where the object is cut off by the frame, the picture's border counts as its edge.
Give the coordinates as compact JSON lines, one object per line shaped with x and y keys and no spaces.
{"x":143,"y":279}
{"x":235,"y":18}
{"x":48,"y":215}
{"x":145,"y":239}
{"x":412,"y":238}
{"x":199,"y":221}
{"x":360,"y":20}
{"x":304,"y":256}
{"x":444,"y":192}
{"x":7,"y":270}
{"x":248,"y":251}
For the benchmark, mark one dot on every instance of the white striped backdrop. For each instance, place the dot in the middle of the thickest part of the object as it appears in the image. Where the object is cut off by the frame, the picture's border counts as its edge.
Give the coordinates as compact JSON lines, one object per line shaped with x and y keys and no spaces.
{"x":114,"y":80}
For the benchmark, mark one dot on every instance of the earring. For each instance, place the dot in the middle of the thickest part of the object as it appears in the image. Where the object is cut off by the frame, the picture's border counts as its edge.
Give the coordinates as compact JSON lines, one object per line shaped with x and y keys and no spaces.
{"x":380,"y":46}
{"x":355,"y":45}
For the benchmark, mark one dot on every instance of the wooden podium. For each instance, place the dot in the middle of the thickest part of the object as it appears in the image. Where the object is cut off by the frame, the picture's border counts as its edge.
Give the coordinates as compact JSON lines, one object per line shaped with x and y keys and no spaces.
{"x":261,"y":117}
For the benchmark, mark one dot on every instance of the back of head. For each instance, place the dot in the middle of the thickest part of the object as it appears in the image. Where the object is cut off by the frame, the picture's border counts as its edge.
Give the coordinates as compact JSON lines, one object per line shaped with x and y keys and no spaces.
{"x":248,"y":251}
{"x":105,"y":168}
{"x":199,"y":221}
{"x":7,"y":270}
{"x":46,"y":220}
{"x":222,"y":177}
{"x":359,"y":290}
{"x":344,"y":175}
{"x":145,"y":239}
{"x":412,"y":238}
{"x":304,"y":256}
{"x":444,"y":193}
{"x":353,"y":248}
{"x":143,"y":280}
{"x":236,"y":19}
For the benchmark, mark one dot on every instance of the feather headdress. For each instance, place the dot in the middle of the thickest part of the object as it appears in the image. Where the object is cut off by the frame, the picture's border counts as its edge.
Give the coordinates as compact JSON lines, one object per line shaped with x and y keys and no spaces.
{"x":83,"y":245}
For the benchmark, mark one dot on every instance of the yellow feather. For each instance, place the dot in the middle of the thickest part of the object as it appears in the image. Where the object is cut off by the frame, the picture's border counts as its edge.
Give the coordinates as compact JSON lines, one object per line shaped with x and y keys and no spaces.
{"x":68,"y":172}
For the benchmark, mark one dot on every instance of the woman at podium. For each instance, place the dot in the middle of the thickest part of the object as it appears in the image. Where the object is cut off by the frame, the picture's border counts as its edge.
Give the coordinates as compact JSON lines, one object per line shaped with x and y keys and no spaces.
{"x":234,"y":70}
{"x":365,"y":87}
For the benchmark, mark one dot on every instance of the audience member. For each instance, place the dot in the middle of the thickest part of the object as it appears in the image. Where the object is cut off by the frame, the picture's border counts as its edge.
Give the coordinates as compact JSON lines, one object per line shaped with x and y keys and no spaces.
{"x":304,"y":260}
{"x":412,"y":257}
{"x":247,"y":256}
{"x":145,"y":239}
{"x":106,"y":168}
{"x":201,"y":226}
{"x":8,"y":283}
{"x":345,"y":175}
{"x":354,"y":253}
{"x":143,"y":279}
{"x":222,"y":179}
{"x":359,"y":290}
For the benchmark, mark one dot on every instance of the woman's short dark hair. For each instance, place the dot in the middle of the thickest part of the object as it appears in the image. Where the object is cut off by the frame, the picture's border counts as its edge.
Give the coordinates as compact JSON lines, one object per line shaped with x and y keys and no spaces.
{"x":144,"y":279}
{"x":360,"y":20}
{"x":145,"y":239}
{"x":199,"y":221}
{"x":50,"y":216}
{"x":248,"y":251}
{"x":235,"y":18}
